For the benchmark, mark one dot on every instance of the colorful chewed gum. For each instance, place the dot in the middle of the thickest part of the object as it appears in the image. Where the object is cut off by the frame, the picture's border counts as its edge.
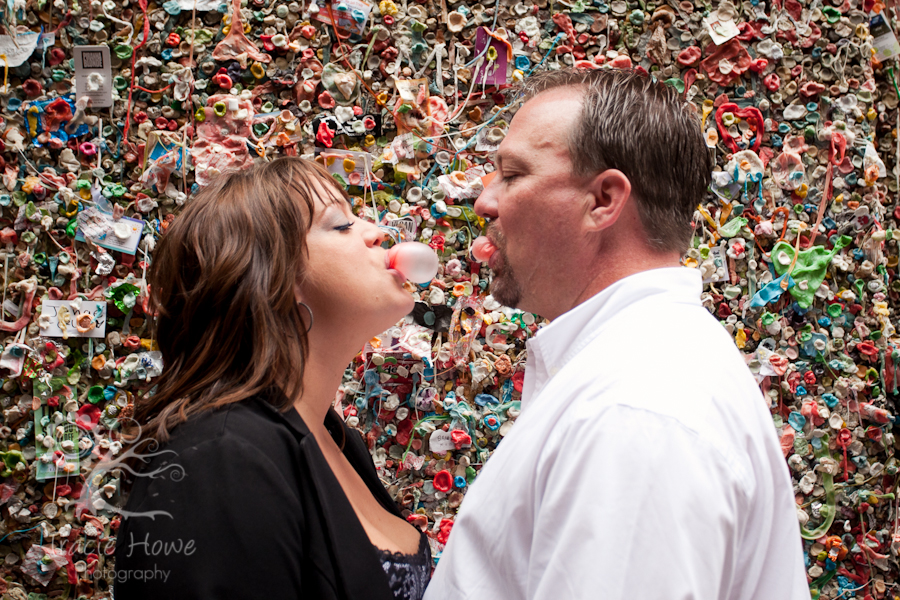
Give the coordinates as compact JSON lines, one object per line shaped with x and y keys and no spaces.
{"x":415,"y":261}
{"x":483,"y":249}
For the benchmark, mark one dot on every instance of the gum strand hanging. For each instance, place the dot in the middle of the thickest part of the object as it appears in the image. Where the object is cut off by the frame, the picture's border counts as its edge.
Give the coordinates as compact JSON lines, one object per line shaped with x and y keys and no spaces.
{"x":820,"y":449}
{"x":235,"y":45}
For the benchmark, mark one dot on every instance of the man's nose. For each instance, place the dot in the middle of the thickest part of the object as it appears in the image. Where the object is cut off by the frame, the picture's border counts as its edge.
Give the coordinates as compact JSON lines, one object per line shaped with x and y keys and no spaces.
{"x":486,"y":203}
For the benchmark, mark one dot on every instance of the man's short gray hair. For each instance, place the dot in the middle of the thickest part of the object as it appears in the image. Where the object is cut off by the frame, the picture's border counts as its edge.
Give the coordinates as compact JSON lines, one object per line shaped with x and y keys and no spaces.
{"x":646,"y":130}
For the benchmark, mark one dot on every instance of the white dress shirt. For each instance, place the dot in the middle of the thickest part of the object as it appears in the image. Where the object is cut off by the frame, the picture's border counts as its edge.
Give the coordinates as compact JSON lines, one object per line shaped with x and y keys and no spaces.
{"x":644,"y":465}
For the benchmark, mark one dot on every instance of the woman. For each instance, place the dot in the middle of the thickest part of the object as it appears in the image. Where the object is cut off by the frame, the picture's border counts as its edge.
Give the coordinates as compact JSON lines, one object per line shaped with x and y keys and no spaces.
{"x":266,"y":288}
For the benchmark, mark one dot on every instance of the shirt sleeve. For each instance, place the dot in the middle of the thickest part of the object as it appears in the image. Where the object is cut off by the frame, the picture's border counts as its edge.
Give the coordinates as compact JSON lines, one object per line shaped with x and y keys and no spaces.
{"x":634,"y":506}
{"x":231,"y":529}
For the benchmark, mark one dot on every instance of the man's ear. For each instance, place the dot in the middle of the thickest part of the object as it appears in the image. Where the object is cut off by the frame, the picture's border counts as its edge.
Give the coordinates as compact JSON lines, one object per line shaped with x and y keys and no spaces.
{"x":610,"y":191}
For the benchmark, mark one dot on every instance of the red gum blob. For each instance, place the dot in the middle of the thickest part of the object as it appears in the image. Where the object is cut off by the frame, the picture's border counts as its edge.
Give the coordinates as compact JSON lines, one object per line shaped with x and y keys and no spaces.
{"x":689,"y":56}
{"x":759,"y":65}
{"x":622,"y":61}
{"x":750,"y":113}
{"x":811,"y":88}
{"x":563,"y":21}
{"x":221,"y":142}
{"x":813,"y":37}
{"x":794,"y":8}
{"x":55,"y":113}
{"x":750,"y":31}
{"x":325,"y":135}
{"x":772,"y":82}
{"x":689,"y":77}
{"x":735,"y":53}
{"x":326,"y":101}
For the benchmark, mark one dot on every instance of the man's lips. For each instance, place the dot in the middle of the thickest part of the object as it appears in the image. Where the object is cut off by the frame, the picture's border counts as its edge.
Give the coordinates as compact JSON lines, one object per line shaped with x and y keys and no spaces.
{"x":494,"y":261}
{"x":483,"y":249}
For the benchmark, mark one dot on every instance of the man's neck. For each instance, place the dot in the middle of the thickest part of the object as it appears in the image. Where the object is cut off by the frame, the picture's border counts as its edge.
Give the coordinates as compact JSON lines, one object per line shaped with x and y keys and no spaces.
{"x":615,"y":269}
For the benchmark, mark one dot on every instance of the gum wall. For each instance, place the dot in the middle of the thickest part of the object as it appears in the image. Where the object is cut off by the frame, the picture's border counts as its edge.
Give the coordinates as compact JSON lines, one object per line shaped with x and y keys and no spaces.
{"x":112,"y":114}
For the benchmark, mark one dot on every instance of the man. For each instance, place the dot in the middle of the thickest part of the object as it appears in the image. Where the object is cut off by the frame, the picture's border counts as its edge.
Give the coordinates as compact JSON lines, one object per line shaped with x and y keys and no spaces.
{"x":644,"y":464}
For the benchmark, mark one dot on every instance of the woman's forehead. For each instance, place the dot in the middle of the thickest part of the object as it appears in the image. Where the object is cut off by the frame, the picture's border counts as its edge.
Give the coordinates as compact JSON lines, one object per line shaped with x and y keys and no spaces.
{"x":325,"y":197}
{"x":322,"y":193}
{"x":334,"y":205}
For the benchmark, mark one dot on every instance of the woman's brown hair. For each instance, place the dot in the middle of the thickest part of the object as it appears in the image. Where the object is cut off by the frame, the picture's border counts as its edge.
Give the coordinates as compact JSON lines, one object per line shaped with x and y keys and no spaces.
{"x":223,"y":283}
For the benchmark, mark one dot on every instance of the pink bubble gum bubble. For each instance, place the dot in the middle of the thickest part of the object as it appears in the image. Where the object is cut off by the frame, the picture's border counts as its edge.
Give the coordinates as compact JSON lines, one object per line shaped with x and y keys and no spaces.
{"x":483,"y":249}
{"x":416,"y":262}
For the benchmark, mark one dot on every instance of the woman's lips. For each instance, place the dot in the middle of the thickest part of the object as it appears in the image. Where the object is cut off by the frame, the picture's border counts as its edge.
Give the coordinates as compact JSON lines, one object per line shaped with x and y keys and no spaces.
{"x":394,"y":272}
{"x":415,"y":261}
{"x":398,"y":275}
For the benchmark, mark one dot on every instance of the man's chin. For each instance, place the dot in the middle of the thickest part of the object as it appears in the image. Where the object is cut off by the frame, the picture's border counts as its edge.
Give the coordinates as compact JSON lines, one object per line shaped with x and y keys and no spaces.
{"x":506,"y":291}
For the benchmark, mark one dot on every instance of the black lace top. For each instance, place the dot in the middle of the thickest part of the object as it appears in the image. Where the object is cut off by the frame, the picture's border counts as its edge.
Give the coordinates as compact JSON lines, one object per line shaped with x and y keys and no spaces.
{"x":408,"y":574}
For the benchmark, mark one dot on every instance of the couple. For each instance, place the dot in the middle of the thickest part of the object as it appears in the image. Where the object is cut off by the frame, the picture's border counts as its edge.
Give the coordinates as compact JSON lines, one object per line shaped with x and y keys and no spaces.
{"x":644,"y":464}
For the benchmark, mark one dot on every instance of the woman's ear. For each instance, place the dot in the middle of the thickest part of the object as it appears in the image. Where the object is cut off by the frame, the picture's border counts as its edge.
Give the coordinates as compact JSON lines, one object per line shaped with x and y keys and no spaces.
{"x":298,"y":291}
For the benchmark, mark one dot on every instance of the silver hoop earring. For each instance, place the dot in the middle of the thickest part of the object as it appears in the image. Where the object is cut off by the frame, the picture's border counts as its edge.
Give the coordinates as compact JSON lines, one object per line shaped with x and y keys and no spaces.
{"x":310,"y":315}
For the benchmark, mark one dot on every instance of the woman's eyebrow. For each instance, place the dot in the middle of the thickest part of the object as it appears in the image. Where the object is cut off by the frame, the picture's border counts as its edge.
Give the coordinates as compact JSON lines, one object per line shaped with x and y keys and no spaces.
{"x":331,"y":207}
{"x":337,"y":206}
{"x":337,"y":200}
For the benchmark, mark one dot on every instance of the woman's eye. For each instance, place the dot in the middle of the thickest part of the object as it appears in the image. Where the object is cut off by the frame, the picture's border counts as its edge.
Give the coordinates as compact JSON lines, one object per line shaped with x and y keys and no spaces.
{"x":344,"y":227}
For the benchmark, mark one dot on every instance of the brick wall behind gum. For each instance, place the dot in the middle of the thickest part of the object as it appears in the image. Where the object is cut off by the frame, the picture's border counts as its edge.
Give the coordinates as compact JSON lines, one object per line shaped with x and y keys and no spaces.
{"x":824,"y":351}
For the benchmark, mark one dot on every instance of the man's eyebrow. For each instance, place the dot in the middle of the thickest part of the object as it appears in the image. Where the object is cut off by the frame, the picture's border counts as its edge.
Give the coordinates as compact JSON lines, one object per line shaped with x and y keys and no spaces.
{"x":510,"y":160}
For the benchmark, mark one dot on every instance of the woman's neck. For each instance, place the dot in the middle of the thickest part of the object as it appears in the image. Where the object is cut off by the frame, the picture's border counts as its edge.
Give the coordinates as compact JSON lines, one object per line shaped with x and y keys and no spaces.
{"x":324,"y":371}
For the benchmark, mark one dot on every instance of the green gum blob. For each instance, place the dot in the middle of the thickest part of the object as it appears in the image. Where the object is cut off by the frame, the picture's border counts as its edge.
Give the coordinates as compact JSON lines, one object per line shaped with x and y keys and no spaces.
{"x":810,"y":268}
{"x":732,"y":227}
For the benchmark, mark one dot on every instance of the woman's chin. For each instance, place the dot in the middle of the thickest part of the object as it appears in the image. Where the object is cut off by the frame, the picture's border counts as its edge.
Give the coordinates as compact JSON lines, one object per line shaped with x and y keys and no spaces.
{"x":400,"y":307}
{"x":407,"y":304}
{"x":401,"y":310}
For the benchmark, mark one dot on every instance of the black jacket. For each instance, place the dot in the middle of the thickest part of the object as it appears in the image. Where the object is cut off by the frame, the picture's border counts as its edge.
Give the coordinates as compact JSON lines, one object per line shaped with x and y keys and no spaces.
{"x":253,"y":511}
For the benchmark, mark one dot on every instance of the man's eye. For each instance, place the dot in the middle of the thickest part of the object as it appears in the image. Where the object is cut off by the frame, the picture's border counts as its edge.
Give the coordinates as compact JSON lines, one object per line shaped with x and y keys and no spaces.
{"x":344,"y":227}
{"x":509,"y":177}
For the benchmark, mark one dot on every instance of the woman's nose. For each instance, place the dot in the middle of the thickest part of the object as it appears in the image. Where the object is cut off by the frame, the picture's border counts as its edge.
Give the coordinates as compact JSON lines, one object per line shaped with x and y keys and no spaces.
{"x":375,"y":235}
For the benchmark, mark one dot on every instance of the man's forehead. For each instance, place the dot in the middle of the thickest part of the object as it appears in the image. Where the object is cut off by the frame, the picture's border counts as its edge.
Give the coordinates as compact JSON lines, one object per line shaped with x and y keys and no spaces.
{"x":555,"y":107}
{"x":521,"y":146}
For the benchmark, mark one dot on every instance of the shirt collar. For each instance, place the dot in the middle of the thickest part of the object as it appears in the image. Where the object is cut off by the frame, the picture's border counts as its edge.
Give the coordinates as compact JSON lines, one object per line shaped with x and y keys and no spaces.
{"x":557,"y":343}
